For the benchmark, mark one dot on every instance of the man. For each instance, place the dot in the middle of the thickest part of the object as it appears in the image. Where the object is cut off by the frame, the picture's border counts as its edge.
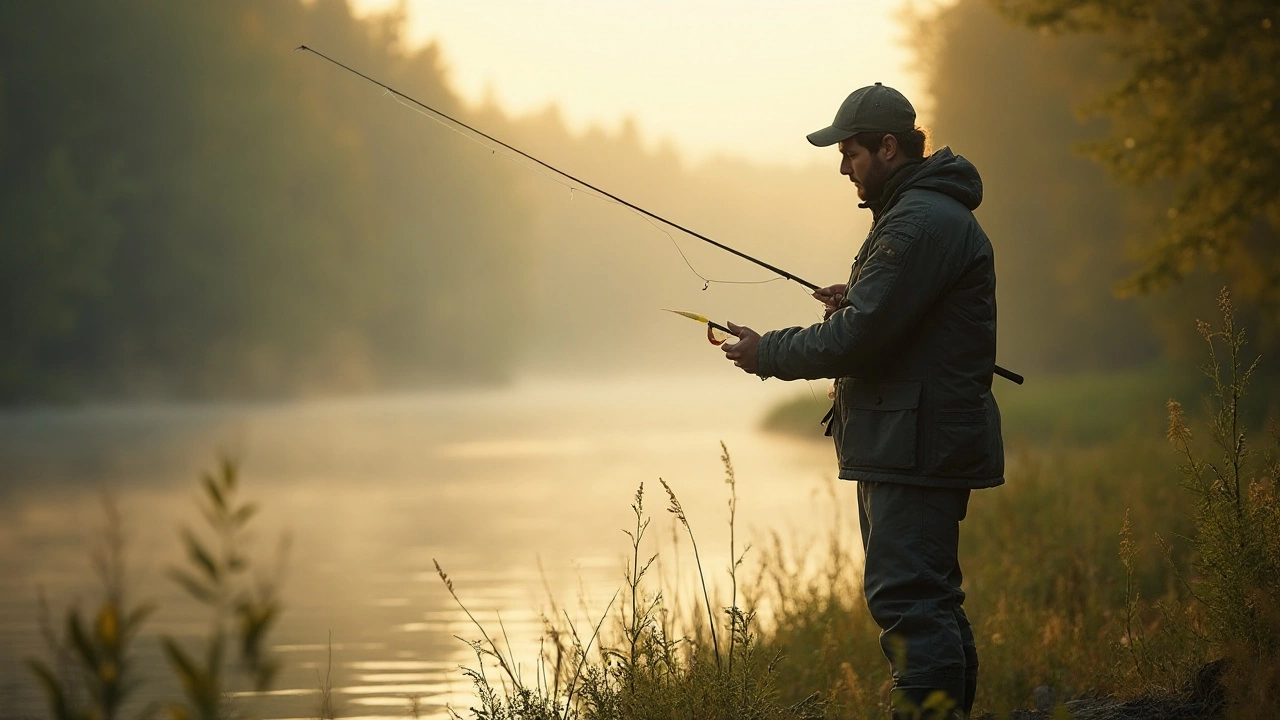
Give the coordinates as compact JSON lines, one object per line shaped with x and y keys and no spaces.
{"x":910,"y":341}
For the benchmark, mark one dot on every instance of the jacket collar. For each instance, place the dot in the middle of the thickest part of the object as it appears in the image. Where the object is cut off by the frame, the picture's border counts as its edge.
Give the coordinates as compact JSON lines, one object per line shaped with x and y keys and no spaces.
{"x":893,"y":186}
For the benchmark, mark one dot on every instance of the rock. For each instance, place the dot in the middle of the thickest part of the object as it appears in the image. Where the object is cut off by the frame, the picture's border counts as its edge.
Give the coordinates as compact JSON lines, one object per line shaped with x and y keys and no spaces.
{"x":1044,"y":698}
{"x":1202,"y":699}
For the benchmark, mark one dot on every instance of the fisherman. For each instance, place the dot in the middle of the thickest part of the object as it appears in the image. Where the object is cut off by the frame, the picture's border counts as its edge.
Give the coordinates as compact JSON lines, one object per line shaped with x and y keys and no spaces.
{"x":910,"y":341}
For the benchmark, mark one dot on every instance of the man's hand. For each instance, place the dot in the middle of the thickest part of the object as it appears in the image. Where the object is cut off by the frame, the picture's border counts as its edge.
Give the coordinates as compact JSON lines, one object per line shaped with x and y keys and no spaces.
{"x":743,"y":352}
{"x":832,"y":296}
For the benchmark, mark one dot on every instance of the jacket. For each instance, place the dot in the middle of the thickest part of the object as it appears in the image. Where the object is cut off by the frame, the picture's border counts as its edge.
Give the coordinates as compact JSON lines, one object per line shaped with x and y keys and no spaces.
{"x":913,"y":346}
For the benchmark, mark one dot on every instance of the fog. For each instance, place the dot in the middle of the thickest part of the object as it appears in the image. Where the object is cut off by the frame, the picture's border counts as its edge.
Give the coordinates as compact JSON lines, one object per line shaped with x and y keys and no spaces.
{"x":194,"y":210}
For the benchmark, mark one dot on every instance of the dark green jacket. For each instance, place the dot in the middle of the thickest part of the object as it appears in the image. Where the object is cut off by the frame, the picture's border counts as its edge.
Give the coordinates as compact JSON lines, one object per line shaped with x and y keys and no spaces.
{"x":913,"y":348}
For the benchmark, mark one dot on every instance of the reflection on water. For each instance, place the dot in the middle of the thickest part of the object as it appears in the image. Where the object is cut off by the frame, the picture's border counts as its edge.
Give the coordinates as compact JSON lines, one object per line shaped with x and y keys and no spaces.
{"x":520,"y":493}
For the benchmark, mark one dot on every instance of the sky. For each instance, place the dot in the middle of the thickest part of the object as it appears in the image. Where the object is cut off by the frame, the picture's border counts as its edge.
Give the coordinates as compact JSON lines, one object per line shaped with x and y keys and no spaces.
{"x":748,"y":78}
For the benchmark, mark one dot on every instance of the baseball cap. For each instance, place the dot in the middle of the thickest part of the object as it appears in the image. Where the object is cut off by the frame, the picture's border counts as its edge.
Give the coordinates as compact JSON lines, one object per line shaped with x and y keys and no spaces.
{"x":874,"y":108}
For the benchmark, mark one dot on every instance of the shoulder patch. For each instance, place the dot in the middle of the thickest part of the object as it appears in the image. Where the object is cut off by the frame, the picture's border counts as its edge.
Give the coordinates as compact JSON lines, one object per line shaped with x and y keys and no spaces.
{"x":893,"y":246}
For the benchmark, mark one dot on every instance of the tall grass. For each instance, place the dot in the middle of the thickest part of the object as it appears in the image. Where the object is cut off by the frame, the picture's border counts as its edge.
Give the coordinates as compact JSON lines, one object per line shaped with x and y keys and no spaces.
{"x":1099,"y":569}
{"x":90,"y":674}
{"x":638,"y":669}
{"x":1094,"y":571}
{"x":1047,"y":596}
{"x":1229,"y":599}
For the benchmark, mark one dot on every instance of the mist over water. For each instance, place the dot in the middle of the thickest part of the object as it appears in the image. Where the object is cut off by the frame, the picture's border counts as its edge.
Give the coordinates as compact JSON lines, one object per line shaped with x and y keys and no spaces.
{"x":420,"y":349}
{"x":519,"y":492}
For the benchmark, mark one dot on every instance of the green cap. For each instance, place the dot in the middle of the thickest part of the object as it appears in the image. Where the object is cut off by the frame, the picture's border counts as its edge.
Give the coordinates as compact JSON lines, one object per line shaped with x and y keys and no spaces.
{"x":874,"y":108}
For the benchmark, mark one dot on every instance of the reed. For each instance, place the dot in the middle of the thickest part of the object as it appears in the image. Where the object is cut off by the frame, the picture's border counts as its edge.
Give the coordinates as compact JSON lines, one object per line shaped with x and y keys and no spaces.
{"x":91,"y":677}
{"x":638,"y":669}
{"x":1098,"y":569}
{"x":1069,"y":600}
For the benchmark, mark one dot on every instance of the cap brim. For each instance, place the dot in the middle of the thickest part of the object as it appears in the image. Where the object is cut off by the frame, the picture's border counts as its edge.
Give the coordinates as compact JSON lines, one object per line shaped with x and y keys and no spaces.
{"x":829,"y":136}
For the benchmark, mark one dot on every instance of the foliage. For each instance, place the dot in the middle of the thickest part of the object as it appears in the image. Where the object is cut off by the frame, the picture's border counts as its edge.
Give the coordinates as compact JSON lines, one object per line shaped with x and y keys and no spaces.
{"x":92,"y":678}
{"x":218,"y":577}
{"x":92,"y":675}
{"x":1003,"y":99}
{"x":1238,"y":519}
{"x":1045,"y":586}
{"x":1046,"y":596}
{"x":1057,"y":611}
{"x":189,"y":208}
{"x":1049,"y":597}
{"x":1232,"y":584}
{"x":1197,"y":107}
{"x":649,"y":672}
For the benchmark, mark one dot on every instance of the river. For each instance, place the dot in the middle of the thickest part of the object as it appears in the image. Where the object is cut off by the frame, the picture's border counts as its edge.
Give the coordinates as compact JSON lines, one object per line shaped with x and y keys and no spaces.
{"x":521,"y":493}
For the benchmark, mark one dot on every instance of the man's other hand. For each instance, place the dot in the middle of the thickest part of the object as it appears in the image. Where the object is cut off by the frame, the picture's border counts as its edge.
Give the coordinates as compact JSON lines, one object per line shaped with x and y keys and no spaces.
{"x":832,"y":296}
{"x":743,"y":352}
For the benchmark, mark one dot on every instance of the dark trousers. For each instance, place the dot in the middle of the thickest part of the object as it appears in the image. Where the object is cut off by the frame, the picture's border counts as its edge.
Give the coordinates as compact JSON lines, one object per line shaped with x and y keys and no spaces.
{"x":910,"y":537}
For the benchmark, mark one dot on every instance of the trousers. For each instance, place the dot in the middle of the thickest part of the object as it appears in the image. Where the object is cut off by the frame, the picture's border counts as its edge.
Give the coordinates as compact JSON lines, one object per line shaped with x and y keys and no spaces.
{"x":912,"y":577}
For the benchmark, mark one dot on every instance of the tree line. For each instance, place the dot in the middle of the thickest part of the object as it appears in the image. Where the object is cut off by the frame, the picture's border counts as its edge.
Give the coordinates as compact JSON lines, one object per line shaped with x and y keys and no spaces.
{"x":189,"y":208}
{"x":186,"y":209}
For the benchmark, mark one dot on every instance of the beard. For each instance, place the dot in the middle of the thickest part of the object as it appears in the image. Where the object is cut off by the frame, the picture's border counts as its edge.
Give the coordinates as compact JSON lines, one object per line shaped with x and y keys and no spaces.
{"x":874,"y":181}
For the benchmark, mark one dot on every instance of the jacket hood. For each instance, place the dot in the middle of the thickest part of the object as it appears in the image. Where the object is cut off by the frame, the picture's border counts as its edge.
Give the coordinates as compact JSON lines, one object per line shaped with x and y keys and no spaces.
{"x":943,"y":172}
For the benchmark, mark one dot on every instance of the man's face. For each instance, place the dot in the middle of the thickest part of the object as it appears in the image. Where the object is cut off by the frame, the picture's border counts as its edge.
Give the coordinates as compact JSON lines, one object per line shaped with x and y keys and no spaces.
{"x":867,"y":170}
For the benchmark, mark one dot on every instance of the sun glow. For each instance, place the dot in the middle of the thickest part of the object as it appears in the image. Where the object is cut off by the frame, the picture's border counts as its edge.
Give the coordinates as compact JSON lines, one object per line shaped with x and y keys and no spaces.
{"x":748,"y":79}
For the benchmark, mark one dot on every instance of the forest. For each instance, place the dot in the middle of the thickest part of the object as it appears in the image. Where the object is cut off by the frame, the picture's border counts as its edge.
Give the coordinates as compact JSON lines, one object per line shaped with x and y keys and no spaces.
{"x":192,"y":209}
{"x":201,"y":225}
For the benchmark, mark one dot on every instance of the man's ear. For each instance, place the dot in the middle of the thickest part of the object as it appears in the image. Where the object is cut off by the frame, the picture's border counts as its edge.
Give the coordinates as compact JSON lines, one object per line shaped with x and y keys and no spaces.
{"x":889,"y":147}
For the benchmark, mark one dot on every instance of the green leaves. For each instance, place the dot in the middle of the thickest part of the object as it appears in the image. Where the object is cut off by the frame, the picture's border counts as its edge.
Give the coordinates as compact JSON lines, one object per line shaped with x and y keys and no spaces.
{"x":244,"y":514}
{"x":99,"y":650}
{"x":201,"y":557}
{"x":94,"y":650}
{"x":194,"y":587}
{"x":59,"y":707}
{"x":202,"y":685}
{"x":255,"y":620}
{"x":216,"y":575}
{"x":1196,"y":108}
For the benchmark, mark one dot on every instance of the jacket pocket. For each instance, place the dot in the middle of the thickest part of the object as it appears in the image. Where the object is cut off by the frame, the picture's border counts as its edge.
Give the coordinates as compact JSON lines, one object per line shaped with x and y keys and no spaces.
{"x":962,"y":443}
{"x":880,"y":428}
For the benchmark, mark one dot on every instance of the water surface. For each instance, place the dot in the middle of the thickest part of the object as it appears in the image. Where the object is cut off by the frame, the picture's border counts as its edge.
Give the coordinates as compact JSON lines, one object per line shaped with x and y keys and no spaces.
{"x":521,"y":493}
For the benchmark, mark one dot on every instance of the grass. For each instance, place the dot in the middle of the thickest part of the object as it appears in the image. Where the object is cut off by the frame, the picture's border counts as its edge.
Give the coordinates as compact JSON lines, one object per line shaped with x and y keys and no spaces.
{"x":1045,"y":584}
{"x":1109,"y":564}
{"x":89,"y":672}
{"x":1048,"y":596}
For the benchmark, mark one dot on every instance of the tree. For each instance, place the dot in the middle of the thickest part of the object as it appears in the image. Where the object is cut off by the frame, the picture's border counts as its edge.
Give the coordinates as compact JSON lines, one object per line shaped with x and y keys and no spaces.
{"x":188,"y":208}
{"x":1003,"y":98}
{"x":1199,"y":111}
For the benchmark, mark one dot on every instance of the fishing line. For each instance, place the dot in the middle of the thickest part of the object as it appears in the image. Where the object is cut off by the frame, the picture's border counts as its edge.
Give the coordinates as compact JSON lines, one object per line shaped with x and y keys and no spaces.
{"x":440,"y":117}
{"x":589,"y":192}
{"x":816,"y":401}
{"x":444,"y":116}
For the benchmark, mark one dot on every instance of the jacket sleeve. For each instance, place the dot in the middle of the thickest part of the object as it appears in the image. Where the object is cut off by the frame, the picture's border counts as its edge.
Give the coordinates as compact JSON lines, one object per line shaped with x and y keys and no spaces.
{"x":904,"y":275}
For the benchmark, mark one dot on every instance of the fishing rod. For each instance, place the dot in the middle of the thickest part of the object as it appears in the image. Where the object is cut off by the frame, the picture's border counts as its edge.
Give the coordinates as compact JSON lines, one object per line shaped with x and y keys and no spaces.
{"x":558,"y":171}
{"x":772,"y":268}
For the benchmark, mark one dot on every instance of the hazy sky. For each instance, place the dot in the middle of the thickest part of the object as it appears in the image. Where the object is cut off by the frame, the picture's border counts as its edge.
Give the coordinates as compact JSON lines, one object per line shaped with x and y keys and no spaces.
{"x":747,"y":77}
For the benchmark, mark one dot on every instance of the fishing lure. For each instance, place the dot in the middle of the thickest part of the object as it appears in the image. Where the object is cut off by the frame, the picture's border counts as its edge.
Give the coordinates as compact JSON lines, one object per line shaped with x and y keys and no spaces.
{"x":716,"y":333}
